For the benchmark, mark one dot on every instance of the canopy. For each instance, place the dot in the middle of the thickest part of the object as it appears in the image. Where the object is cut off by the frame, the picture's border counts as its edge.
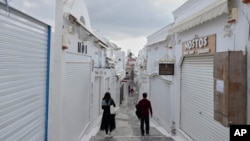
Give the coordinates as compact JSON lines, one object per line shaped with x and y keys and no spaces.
{"x":214,"y":10}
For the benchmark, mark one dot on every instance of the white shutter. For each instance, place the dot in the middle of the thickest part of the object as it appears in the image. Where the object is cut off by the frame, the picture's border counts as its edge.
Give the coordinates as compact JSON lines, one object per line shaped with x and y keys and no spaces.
{"x":197,"y":101}
{"x":160,"y":100}
{"x":23,"y":77}
{"x":76,"y":99}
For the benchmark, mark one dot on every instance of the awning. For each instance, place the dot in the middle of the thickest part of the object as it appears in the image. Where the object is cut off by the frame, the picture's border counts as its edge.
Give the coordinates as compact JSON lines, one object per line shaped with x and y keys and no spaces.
{"x":110,"y":61}
{"x":159,"y":36}
{"x":212,"y":11}
{"x":102,"y":43}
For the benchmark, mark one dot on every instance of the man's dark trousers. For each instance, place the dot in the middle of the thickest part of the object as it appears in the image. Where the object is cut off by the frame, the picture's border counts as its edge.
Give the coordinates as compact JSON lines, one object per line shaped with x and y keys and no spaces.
{"x":146,"y":121}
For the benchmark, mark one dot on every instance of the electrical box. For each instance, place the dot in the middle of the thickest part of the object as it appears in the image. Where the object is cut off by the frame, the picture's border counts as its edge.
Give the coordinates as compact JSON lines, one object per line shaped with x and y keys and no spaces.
{"x":230,"y":88}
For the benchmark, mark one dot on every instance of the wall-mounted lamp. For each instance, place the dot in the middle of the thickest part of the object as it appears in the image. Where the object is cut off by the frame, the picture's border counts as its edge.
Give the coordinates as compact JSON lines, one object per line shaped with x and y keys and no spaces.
{"x":65,"y":42}
{"x":233,"y":15}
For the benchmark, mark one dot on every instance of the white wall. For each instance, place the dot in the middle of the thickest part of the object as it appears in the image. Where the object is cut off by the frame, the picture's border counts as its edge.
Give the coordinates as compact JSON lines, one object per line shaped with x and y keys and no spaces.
{"x":160,"y":52}
{"x":155,"y":53}
{"x":55,"y":110}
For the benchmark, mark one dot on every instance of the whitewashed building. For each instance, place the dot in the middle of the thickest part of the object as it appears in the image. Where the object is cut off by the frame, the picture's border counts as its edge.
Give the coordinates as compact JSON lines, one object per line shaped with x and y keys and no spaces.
{"x":111,"y":80}
{"x":119,"y":74}
{"x":142,"y":79}
{"x":79,"y":78}
{"x":208,"y":45}
{"x":211,"y":37}
{"x":24,"y":75}
{"x":160,"y":53}
{"x":99,"y":72}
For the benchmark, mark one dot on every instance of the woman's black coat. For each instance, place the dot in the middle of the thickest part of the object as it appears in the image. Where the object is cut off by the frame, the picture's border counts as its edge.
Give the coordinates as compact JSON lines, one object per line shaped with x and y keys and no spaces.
{"x":108,"y":120}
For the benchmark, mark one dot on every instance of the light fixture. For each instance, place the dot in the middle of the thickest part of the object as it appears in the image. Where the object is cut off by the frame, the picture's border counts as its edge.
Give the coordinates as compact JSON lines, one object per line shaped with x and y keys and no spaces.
{"x":65,"y":44}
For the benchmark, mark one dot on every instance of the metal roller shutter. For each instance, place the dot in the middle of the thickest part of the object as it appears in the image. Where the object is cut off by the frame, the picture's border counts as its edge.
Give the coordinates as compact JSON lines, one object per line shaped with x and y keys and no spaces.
{"x":197,"y":99}
{"x":24,"y":71}
{"x":160,"y":99}
{"x":76,"y":99}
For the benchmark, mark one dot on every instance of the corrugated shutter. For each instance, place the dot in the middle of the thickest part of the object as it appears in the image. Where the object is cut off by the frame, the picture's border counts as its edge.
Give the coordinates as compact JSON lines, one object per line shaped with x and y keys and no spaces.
{"x":160,"y":99}
{"x":76,"y":99}
{"x":23,"y":76}
{"x":197,"y":99}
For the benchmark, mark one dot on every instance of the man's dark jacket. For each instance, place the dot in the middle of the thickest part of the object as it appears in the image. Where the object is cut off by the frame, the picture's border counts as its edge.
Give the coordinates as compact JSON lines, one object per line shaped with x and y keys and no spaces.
{"x":144,"y":106}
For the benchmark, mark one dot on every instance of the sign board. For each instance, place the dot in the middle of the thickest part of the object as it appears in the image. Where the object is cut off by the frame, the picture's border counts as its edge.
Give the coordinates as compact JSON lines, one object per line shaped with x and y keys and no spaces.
{"x":201,"y":45}
{"x":166,"y":69}
{"x":220,"y":86}
{"x":99,"y":72}
{"x":131,"y":62}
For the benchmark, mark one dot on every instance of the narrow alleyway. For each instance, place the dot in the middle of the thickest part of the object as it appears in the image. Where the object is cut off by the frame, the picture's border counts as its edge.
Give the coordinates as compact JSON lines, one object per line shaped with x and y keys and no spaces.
{"x":128,"y":126}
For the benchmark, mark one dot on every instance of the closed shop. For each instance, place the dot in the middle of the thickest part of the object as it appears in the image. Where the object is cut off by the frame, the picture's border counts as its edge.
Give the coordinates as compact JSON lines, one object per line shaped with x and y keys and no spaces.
{"x":161,"y":102}
{"x":24,"y":76}
{"x":76,"y":95}
{"x":197,"y":91}
{"x":197,"y":100}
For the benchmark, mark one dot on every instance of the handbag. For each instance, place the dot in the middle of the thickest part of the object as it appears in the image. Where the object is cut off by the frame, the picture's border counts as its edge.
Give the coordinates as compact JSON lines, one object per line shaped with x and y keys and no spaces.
{"x":112,"y":110}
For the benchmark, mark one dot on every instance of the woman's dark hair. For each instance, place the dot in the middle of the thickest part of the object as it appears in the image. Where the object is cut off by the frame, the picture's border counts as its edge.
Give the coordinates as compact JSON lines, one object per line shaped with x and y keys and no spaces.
{"x":107,"y":96}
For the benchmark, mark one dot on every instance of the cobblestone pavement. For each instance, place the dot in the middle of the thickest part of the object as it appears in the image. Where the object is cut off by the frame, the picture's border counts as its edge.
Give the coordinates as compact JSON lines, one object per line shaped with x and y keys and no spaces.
{"x":128,"y":126}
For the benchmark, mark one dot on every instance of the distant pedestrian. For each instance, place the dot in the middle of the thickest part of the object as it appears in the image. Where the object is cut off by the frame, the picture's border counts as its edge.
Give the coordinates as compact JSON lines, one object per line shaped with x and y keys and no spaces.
{"x":132,"y":91}
{"x":108,"y":119}
{"x":144,"y":107}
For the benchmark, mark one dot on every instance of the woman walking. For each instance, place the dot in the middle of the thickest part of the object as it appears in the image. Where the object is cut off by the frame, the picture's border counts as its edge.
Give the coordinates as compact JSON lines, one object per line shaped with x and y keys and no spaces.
{"x":108,"y":119}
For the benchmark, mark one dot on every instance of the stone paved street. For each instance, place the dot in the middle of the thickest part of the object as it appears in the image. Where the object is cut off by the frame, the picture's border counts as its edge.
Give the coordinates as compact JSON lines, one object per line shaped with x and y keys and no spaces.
{"x":128,"y":126}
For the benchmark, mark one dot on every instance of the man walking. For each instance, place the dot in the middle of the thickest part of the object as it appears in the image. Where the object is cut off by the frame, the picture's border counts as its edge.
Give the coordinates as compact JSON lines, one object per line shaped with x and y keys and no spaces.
{"x":144,"y":107}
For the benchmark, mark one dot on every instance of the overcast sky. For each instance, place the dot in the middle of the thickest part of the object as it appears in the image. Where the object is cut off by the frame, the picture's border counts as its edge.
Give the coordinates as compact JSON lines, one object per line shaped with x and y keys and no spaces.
{"x":43,"y":10}
{"x":124,"y":22}
{"x":128,"y":22}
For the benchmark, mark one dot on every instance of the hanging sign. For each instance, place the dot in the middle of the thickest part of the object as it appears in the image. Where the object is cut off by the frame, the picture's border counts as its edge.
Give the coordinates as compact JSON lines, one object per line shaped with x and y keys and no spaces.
{"x":166,"y":69}
{"x":202,"y":45}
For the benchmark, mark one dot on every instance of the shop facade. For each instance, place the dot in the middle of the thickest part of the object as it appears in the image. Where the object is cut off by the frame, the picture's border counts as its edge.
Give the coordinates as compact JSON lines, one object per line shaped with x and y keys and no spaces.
{"x":203,"y":76}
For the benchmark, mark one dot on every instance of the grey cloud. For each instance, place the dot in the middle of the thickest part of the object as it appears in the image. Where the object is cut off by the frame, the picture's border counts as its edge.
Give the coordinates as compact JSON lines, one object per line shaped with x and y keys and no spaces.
{"x":43,"y":10}
{"x":134,"y":17}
